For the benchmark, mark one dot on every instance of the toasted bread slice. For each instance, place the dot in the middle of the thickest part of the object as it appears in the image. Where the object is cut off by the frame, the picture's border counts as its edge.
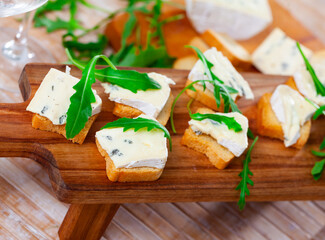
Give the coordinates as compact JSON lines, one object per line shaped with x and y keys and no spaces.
{"x":138,"y":174}
{"x":236,"y":54}
{"x":218,"y":155}
{"x":122,"y":110}
{"x":268,"y":124}
{"x":199,"y":43}
{"x":43,"y":123}
{"x":185,"y":63}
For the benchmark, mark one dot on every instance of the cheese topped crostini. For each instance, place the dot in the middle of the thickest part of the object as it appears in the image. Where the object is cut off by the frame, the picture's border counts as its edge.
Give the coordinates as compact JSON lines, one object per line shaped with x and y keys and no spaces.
{"x":133,"y":155}
{"x":285,"y":115}
{"x":51,"y":103}
{"x":224,"y":70}
{"x":215,"y":139}
{"x":154,"y":102}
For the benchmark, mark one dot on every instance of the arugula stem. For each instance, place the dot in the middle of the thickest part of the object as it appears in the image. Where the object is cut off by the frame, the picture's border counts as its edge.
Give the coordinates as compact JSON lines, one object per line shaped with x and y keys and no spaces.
{"x":176,"y":99}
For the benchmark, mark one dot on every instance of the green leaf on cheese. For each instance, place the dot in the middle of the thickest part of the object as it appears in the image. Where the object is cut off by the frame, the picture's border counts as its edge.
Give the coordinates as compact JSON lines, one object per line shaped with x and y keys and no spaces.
{"x":137,"y":124}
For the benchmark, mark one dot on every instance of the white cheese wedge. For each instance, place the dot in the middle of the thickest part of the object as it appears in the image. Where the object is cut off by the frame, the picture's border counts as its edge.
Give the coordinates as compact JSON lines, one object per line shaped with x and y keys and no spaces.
{"x":52,"y":98}
{"x":305,"y":83}
{"x":224,"y":70}
{"x":292,"y":110}
{"x":279,"y":55}
{"x":240,"y":19}
{"x":150,"y":102}
{"x":131,"y":149}
{"x":235,"y":142}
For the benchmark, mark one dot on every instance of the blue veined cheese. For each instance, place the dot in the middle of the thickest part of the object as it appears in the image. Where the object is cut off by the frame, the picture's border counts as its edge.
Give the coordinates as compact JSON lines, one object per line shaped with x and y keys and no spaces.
{"x":240,"y":19}
{"x":305,"y":83}
{"x":292,"y":110}
{"x":235,"y":142}
{"x":52,"y":98}
{"x":224,"y":70}
{"x":279,"y":54}
{"x":150,"y":102}
{"x":132,"y":149}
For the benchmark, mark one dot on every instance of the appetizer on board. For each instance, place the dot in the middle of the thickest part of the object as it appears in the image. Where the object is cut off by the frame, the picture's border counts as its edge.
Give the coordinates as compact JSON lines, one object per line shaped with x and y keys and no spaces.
{"x":278,"y":54}
{"x":133,"y":153}
{"x":51,"y":103}
{"x":218,"y":141}
{"x":225,"y":71}
{"x":285,"y":115}
{"x":155,"y":103}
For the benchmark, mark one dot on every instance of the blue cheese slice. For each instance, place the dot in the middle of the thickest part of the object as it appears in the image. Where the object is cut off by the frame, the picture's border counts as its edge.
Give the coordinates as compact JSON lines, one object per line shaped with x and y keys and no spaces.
{"x":305,"y":83}
{"x":150,"y":102}
{"x":132,"y":149}
{"x":52,"y":98}
{"x":278,"y":54}
{"x":240,"y":19}
{"x":224,"y":70}
{"x":292,"y":110}
{"x":235,"y":142}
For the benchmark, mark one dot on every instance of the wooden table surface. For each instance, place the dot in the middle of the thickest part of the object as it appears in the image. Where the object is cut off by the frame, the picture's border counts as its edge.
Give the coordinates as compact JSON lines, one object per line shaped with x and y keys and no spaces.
{"x":29,"y":209}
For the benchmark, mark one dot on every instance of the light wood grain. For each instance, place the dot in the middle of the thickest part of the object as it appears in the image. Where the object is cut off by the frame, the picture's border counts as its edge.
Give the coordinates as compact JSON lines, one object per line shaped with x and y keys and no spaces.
{"x":77,"y":172}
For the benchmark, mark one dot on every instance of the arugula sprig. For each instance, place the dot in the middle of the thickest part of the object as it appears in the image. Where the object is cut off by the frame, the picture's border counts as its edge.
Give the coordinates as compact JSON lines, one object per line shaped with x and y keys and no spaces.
{"x":80,"y":102}
{"x":244,"y":174}
{"x":139,"y":123}
{"x":230,"y":122}
{"x":320,"y":88}
{"x":127,"y":79}
{"x":319,"y":166}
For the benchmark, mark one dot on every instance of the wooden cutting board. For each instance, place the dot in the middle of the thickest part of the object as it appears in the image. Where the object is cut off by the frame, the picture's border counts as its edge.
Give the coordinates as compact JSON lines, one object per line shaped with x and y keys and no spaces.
{"x":77,"y":172}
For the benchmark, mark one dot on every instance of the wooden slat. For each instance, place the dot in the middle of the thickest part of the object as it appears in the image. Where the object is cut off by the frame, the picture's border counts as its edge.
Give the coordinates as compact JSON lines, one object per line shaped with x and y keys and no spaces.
{"x":261,"y":224}
{"x":237,"y":224}
{"x":154,"y":221}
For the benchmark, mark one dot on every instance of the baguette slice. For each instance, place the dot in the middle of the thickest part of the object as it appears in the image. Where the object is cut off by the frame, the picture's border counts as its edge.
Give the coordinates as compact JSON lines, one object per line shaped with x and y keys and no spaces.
{"x":122,"y":110}
{"x":268,"y":124}
{"x":237,"y":55}
{"x":138,"y":174}
{"x":218,"y":155}
{"x":185,"y":63}
{"x":43,"y":123}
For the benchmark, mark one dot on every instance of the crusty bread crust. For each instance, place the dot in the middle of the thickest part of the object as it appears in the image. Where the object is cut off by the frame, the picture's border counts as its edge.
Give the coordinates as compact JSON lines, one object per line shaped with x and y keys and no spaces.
{"x":138,"y":174}
{"x":43,"y":123}
{"x":205,"y":97}
{"x":122,"y":110}
{"x":218,"y":155}
{"x":213,"y":41}
{"x":268,"y":124}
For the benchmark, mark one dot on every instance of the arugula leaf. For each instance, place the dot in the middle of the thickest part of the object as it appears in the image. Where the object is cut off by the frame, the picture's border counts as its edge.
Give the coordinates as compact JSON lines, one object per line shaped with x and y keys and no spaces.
{"x":322,"y":146}
{"x":319,"y":112}
{"x":318,"y":154}
{"x":139,"y":123}
{"x":318,"y":169}
{"x":128,"y":79}
{"x":244,"y":174}
{"x":80,"y":102}
{"x":230,"y":122}
{"x":53,"y":25}
{"x":250,"y":134}
{"x":320,"y":88}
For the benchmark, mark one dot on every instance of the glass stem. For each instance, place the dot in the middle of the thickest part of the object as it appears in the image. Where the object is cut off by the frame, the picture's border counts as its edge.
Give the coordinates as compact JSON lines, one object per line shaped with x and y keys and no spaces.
{"x":17,"y":48}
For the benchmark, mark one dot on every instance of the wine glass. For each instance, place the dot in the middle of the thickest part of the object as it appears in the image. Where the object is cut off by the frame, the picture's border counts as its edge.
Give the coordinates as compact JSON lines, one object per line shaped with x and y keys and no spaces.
{"x":16,"y":48}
